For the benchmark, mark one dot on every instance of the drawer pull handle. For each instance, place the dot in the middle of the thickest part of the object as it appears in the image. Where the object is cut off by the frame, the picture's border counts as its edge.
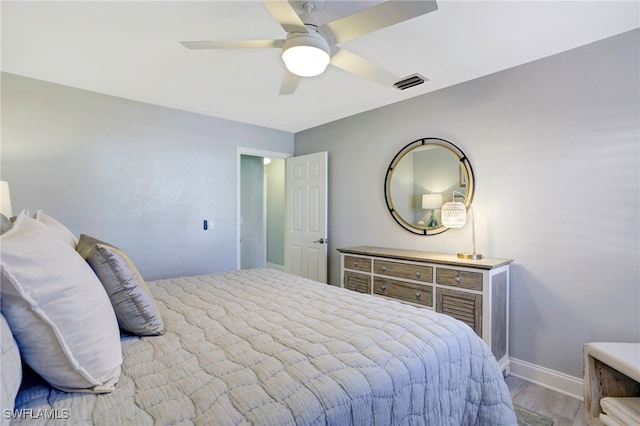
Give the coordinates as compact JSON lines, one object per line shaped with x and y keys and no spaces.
{"x":383,"y":288}
{"x":355,"y":264}
{"x":458,"y":279}
{"x":384,"y":269}
{"x":418,"y":274}
{"x":417,"y":295}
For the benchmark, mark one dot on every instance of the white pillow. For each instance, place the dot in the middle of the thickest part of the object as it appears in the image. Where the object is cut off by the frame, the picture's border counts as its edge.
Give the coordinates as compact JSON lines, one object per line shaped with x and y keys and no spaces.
{"x":11,"y":369}
{"x":60,"y":230}
{"x":58,"y":311}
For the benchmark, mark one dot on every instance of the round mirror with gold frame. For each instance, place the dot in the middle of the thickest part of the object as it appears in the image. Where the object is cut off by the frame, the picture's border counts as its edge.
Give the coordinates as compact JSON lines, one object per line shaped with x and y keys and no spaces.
{"x":422,"y":177}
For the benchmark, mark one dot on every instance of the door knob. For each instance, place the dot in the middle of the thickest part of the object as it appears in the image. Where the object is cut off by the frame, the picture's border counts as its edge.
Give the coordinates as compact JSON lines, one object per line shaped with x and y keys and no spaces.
{"x":321,"y":241}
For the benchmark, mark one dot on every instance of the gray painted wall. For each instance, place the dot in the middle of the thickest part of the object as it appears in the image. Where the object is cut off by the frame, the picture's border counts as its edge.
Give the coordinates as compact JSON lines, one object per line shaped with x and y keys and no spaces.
{"x":139,"y":176}
{"x":555,"y":148}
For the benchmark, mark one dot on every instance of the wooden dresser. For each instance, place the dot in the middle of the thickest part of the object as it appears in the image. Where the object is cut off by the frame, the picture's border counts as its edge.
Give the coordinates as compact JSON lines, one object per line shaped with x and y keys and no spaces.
{"x":473,"y":291}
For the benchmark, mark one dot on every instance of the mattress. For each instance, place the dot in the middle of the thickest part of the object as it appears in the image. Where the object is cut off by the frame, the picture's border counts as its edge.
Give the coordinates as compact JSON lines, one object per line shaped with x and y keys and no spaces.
{"x":268,"y":348}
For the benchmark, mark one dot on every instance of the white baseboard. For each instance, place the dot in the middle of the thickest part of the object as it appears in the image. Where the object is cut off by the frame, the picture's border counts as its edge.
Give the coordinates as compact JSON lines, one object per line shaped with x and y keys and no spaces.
{"x":275,"y":266}
{"x":554,"y":380}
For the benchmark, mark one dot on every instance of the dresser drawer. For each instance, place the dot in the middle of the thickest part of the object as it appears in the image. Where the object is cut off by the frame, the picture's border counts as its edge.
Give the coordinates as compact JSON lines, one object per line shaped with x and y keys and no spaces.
{"x":466,"y":307}
{"x":458,"y":278}
{"x":357,"y":282}
{"x":403,"y":270}
{"x":357,"y":263}
{"x":409,"y":292}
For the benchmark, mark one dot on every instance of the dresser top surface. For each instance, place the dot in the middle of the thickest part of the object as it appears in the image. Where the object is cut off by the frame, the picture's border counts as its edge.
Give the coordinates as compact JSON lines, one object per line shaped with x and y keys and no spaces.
{"x":424,"y":256}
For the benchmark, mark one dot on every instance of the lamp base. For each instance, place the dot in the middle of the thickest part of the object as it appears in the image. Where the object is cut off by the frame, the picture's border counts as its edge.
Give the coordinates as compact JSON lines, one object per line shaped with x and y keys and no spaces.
{"x":432,"y":222}
{"x":473,"y":256}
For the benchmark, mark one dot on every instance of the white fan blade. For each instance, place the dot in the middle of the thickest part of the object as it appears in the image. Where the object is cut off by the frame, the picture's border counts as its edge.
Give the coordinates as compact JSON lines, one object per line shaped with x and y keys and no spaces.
{"x":289,"y":83}
{"x":239,"y":44}
{"x":286,"y":15}
{"x":375,"y":18}
{"x":361,"y":67}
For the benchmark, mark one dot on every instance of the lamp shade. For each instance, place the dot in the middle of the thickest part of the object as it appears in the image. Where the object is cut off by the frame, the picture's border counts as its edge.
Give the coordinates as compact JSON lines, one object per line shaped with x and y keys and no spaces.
{"x":454,"y":214}
{"x":431,"y":201}
{"x":5,"y":199}
{"x":306,"y":55}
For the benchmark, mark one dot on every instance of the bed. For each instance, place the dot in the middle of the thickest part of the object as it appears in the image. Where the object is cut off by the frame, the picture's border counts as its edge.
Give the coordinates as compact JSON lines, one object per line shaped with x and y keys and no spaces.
{"x":268,"y":348}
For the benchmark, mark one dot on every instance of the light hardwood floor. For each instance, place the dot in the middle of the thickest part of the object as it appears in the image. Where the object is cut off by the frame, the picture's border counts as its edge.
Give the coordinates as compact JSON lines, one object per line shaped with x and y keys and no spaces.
{"x":564,"y":410}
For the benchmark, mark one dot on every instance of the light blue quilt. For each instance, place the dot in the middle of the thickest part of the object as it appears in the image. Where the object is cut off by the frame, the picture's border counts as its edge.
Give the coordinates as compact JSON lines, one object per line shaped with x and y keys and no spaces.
{"x":267,"y":348}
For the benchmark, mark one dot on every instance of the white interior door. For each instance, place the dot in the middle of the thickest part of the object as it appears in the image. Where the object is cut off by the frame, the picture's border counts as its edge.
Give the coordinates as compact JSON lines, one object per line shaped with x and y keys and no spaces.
{"x":306,"y":218}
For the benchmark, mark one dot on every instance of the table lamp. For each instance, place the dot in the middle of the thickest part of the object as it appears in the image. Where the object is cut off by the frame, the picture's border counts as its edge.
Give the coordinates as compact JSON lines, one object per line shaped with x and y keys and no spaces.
{"x":454,"y":215}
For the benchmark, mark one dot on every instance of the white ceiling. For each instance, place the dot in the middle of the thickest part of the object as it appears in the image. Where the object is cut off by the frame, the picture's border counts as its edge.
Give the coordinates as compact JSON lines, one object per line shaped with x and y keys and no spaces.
{"x":131,"y":50}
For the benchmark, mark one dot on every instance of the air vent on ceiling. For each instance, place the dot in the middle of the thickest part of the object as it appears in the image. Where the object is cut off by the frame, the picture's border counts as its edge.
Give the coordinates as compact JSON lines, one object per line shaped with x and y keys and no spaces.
{"x":410,"y":81}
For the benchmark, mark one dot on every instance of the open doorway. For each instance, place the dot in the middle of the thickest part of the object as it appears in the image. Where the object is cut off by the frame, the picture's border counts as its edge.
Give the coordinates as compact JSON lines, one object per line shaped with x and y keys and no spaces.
{"x":275,"y":208}
{"x":260,"y":209}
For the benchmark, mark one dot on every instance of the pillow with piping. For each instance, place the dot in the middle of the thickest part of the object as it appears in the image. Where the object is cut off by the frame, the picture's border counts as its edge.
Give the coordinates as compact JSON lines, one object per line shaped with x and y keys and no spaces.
{"x":58,"y":311}
{"x":61,"y":230}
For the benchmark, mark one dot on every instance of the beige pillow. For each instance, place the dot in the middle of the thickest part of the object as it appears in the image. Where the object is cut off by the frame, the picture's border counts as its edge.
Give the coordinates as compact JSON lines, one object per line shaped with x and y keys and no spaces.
{"x":132,"y":301}
{"x":60,"y":230}
{"x":58,"y":311}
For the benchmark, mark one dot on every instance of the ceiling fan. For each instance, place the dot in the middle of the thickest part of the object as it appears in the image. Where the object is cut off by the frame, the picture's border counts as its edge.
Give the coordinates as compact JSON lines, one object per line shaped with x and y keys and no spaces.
{"x":308,"y":47}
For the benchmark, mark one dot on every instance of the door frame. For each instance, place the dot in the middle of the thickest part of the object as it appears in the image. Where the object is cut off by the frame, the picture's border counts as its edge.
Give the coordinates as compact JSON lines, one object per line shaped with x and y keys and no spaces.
{"x":240,"y":151}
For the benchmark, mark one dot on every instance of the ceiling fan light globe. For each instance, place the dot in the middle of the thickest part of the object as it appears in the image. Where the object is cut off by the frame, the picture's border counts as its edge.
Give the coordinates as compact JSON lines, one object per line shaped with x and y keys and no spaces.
{"x":305,"y":61}
{"x":306,"y":55}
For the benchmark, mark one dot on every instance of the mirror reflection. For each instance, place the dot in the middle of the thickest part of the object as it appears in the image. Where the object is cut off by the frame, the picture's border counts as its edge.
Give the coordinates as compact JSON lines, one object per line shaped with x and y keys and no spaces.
{"x":423,"y":176}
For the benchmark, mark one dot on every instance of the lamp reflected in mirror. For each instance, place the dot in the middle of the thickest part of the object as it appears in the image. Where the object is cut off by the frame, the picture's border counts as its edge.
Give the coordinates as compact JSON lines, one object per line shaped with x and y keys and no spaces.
{"x":431,"y":202}
{"x":454,"y":215}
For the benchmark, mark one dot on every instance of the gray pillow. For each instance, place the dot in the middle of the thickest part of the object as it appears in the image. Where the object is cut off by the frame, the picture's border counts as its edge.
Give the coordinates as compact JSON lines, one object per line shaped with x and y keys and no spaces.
{"x":5,"y":224}
{"x":131,"y":299}
{"x":11,"y":368}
